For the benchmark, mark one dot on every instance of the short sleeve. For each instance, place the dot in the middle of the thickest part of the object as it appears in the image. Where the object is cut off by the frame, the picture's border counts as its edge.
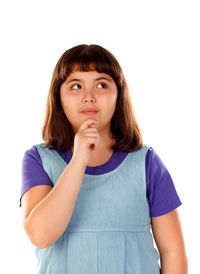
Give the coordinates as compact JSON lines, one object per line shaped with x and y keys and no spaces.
{"x":33,"y":173}
{"x":162,"y":196}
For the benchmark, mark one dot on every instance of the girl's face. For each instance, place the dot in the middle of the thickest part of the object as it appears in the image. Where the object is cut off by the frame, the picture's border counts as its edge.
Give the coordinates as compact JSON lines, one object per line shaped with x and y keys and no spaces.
{"x":85,"y":90}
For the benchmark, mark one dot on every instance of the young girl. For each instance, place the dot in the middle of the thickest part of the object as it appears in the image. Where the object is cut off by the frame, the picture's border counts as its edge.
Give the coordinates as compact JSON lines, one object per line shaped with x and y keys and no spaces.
{"x":92,"y":192}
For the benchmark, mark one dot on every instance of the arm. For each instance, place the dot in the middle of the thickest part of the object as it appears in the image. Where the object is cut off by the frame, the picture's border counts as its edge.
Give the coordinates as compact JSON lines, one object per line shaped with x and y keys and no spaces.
{"x":46,"y":220}
{"x":169,"y":240}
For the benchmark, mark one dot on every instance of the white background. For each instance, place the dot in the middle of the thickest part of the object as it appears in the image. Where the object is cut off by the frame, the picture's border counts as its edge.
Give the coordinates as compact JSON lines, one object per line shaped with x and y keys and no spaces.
{"x":157,"y":44}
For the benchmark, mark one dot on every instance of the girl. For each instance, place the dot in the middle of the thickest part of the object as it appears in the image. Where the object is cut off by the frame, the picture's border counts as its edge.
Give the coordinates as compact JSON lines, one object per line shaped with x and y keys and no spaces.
{"x":92,"y":191}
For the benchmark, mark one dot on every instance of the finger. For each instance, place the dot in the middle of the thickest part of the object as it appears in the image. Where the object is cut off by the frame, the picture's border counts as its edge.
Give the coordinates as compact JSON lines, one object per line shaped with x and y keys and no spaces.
{"x":88,"y":123}
{"x":92,"y":128}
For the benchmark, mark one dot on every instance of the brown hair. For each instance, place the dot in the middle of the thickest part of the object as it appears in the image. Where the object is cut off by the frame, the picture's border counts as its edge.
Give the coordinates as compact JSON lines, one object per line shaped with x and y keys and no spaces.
{"x":57,"y":131}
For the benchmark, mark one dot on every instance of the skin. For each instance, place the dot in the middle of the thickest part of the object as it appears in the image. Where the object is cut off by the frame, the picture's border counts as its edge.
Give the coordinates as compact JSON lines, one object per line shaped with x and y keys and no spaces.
{"x":89,"y":93}
{"x":169,"y":239}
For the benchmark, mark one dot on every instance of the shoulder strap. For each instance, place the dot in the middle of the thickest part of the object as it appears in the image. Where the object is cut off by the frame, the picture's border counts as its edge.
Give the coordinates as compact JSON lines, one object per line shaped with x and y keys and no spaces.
{"x":52,"y":162}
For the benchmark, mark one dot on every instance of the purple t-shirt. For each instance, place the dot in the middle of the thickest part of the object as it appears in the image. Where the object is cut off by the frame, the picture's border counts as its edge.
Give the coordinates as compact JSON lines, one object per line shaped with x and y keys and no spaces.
{"x":160,"y":190}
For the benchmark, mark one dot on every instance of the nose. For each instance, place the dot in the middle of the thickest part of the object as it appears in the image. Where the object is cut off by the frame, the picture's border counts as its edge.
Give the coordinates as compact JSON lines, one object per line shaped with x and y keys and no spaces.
{"x":88,"y":97}
{"x":88,"y":100}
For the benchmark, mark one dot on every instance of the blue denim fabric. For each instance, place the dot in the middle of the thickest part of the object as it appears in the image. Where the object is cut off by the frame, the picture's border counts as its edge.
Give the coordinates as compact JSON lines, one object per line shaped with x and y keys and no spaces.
{"x":109,"y":231}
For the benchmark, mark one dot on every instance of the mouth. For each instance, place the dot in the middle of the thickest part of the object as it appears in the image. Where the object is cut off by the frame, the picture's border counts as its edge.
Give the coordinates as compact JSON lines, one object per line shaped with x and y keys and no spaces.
{"x":89,"y":112}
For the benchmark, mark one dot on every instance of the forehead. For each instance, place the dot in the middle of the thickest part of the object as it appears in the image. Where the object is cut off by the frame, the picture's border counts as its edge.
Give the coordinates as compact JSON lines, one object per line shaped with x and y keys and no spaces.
{"x":88,"y":74}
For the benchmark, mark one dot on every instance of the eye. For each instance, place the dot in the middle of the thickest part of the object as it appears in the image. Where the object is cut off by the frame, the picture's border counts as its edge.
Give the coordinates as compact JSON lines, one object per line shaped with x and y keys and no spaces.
{"x":75,"y":85}
{"x":80,"y":85}
{"x":102,"y":84}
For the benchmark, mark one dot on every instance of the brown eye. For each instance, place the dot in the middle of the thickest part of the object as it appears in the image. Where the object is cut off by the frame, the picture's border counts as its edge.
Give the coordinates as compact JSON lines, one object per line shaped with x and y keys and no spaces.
{"x":102,"y":84}
{"x":75,"y":85}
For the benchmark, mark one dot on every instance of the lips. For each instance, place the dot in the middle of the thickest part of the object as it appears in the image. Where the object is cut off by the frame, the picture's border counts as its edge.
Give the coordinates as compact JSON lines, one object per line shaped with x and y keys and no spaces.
{"x":89,"y":112}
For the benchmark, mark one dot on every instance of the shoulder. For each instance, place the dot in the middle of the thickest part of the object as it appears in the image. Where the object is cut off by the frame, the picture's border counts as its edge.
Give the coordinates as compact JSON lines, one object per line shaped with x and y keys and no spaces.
{"x":140,"y":151}
{"x":150,"y":152}
{"x":161,"y":192}
{"x":34,"y":154}
{"x":33,"y":172}
{"x":154,"y":163}
{"x":146,"y":152}
{"x":31,"y":159}
{"x":155,"y":168}
{"x":31,"y":153}
{"x":34,"y":151}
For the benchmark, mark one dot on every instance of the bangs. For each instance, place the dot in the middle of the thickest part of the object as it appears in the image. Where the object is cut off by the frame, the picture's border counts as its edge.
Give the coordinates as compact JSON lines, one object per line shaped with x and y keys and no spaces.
{"x":90,"y":58}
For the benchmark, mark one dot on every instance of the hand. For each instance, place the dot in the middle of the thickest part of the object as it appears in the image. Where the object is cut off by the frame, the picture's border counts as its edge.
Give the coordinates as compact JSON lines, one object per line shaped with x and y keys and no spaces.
{"x":85,"y":141}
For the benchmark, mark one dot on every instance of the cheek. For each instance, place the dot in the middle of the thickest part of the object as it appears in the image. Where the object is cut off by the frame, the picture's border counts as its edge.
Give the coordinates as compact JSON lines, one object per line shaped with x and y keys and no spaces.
{"x":111,"y":101}
{"x":70,"y":112}
{"x":68,"y":104}
{"x":108,"y":106}
{"x":114,"y":99}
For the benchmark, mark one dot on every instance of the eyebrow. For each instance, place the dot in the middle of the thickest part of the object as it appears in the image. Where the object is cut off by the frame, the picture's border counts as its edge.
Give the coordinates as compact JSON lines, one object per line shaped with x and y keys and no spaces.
{"x":75,"y":79}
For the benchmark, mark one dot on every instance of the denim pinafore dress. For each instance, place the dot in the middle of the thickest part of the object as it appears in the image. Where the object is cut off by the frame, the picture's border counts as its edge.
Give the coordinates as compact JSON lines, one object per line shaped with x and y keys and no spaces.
{"x":109,"y":230}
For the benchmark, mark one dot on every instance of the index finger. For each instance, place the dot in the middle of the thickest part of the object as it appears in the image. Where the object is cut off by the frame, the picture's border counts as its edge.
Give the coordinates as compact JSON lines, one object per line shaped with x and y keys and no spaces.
{"x":88,"y":122}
